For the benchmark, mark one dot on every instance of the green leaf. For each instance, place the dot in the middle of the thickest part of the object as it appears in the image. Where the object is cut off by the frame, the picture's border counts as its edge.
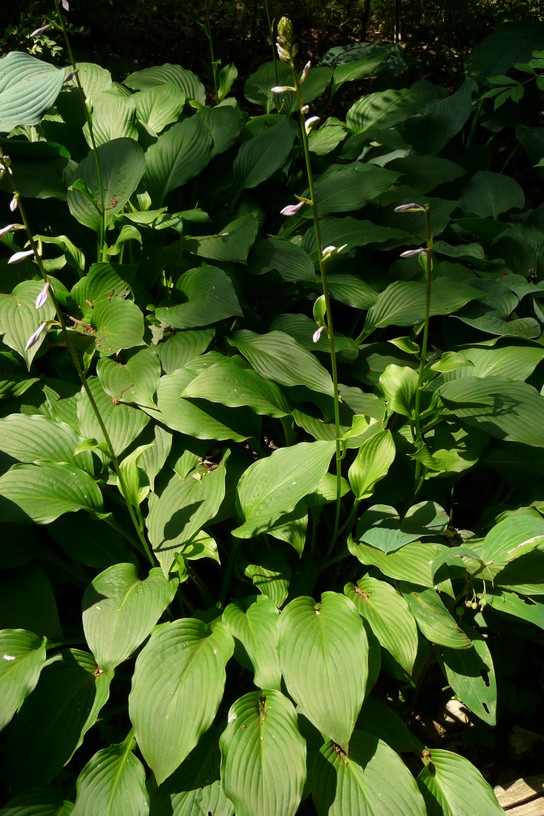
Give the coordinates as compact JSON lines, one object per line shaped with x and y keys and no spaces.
{"x":271,"y":487}
{"x":263,"y":755}
{"x":287,"y":258}
{"x":324,"y":673}
{"x":179,"y":154}
{"x":119,"y":324}
{"x":113,"y":117}
{"x":403,"y":303}
{"x":135,"y":380}
{"x":352,"y":232}
{"x":66,"y":702}
{"x":159,"y":106}
{"x":19,"y":318}
{"x":119,"y":611}
{"x":384,"y":109}
{"x":28,"y":87}
{"x":399,"y":386}
{"x":177,"y":686}
{"x":381,"y":526}
{"x":27,"y":600}
{"x":229,"y":383}
{"x":123,"y":422}
{"x":452,"y":786}
{"x":35,"y":438}
{"x":122,"y":165}
{"x":258,"y":87}
{"x":433,"y":619}
{"x":471,"y":675}
{"x":413,"y":562}
{"x":168,"y":74}
{"x":277,"y":357}
{"x":181,"y":511}
{"x":210,"y":298}
{"x":526,"y":609}
{"x":23,"y":656}
{"x":389,"y":617}
{"x":372,"y":463}
{"x":38,"y":802}
{"x":262,"y":155}
{"x":440,"y":120}
{"x":44,"y":492}
{"x":511,"y":411}
{"x":183,"y":347}
{"x":231,"y":244}
{"x":508,"y":362}
{"x":511,"y":538}
{"x":344,"y":188}
{"x":488,"y":195}
{"x":254,"y":622}
{"x":113,"y":781}
{"x":271,"y":575}
{"x":368,"y":780}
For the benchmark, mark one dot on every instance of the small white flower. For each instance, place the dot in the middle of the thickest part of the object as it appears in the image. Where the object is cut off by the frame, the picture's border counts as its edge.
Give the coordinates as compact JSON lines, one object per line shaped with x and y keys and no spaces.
{"x":317,"y":334}
{"x":42,"y":297}
{"x":65,"y":5}
{"x":9,"y":228}
{"x":17,"y":257}
{"x":305,"y":109}
{"x":310,"y":123}
{"x":305,"y":71}
{"x":413,"y":207}
{"x":411,"y":252}
{"x":281,"y":89}
{"x":33,"y":339}
{"x":14,"y":203}
{"x":329,"y":251}
{"x":292,"y":209}
{"x":40,"y":30}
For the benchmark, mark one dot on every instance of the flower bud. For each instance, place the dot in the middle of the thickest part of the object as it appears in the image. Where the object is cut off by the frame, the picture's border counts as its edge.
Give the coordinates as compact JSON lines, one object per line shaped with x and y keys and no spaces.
{"x":42,"y":297}
{"x":292,"y":209}
{"x":310,"y":123}
{"x":41,"y":29}
{"x":305,"y":71}
{"x":413,"y":207}
{"x":317,"y":334}
{"x":33,"y":339}
{"x":17,"y":257}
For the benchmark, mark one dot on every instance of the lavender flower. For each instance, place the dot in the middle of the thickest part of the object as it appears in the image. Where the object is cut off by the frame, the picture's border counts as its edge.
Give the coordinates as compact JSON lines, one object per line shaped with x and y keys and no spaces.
{"x":65,"y":5}
{"x":42,"y":297}
{"x":292,"y":209}
{"x":9,"y":228}
{"x":41,"y":29}
{"x":17,"y":257}
{"x":412,"y":207}
{"x":411,"y":252}
{"x":317,"y":334}
{"x":33,"y":339}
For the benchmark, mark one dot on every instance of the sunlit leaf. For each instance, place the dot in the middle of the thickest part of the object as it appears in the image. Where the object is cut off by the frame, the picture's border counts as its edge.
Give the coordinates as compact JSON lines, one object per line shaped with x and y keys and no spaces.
{"x":452,"y":786}
{"x":22,"y":656}
{"x":113,"y":780}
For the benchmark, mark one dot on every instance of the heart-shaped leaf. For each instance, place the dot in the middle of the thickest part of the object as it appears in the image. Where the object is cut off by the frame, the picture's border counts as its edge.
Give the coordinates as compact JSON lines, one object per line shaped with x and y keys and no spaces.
{"x":23,"y":656}
{"x":112,"y":781}
{"x":28,"y":87}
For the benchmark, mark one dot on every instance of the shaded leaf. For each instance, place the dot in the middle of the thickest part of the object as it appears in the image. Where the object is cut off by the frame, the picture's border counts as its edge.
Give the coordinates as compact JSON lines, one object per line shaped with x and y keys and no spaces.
{"x":22,"y":658}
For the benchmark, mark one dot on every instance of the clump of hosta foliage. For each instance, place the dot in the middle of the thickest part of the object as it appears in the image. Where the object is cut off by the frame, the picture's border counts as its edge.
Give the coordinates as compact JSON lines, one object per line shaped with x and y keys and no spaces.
{"x":269,"y":490}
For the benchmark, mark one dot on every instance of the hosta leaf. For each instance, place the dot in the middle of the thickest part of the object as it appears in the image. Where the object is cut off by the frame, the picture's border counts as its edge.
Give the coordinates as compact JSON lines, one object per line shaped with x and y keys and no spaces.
{"x":508,"y":362}
{"x":159,"y":105}
{"x":210,"y":298}
{"x":344,"y":188}
{"x":135,"y":380}
{"x":231,"y":384}
{"x":326,"y":675}
{"x":44,"y":492}
{"x":19,"y":318}
{"x":403,"y":303}
{"x":224,"y":124}
{"x":259,"y":157}
{"x":165,"y":74}
{"x":122,"y":165}
{"x":413,"y":562}
{"x":34,"y":438}
{"x":178,"y":155}
{"x":490,"y":194}
{"x":271,"y":575}
{"x":526,"y":609}
{"x":123,"y":423}
{"x":511,"y":538}
{"x":263,"y":755}
{"x":254,"y":623}
{"x":471,"y":675}
{"x":372,"y":463}
{"x":271,"y":487}
{"x":119,"y":611}
{"x":287,"y":258}
{"x":103,"y":282}
{"x":381,"y":526}
{"x":352,"y":232}
{"x":66,"y":702}
{"x":38,"y":802}
{"x":433,"y":619}
{"x":511,"y":411}
{"x":389,"y":617}
{"x":276,"y":356}
{"x":258,"y":88}
{"x":452,"y":786}
{"x":384,"y":109}
{"x":399,"y":386}
{"x":183,"y":347}
{"x":113,"y":781}
{"x":113,"y":116}
{"x":184,"y":507}
{"x":231,"y":244}
{"x":369,"y":780}
{"x":27,"y":600}
{"x":177,"y":686}
{"x":21,"y":661}
{"x":119,"y":324}
{"x":28,"y":87}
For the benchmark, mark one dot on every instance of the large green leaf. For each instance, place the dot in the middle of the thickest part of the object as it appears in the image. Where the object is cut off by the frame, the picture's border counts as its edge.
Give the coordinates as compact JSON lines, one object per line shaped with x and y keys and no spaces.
{"x":159,"y":106}
{"x":165,"y":74}
{"x":384,"y":109}
{"x":178,"y":155}
{"x":231,"y":244}
{"x":123,"y":422}
{"x":403,"y":303}
{"x":44,"y":492}
{"x":19,"y":318}
{"x":471,"y":675}
{"x":276,"y":356}
{"x":28,"y":87}
{"x":510,"y":603}
{"x":254,"y":622}
{"x":324,"y":673}
{"x":54,"y":719}
{"x":134,"y":380}
{"x":368,"y":780}
{"x":344,"y":188}
{"x":490,"y":194}
{"x":27,"y":600}
{"x":511,"y":538}
{"x":122,"y":165}
{"x":352,"y":232}
{"x":112,"y":782}
{"x":512,"y":411}
{"x":381,"y":526}
{"x":372,"y":463}
{"x":177,"y":686}
{"x":440,"y":121}
{"x":38,"y":802}
{"x":181,"y":511}
{"x":509,"y":362}
{"x":389,"y":617}
{"x":263,"y":755}
{"x":413,"y":562}
{"x":182,"y":347}
{"x":287,"y":258}
{"x":210,"y":297}
{"x":271,"y":487}
{"x":34,"y":438}
{"x":259,"y":157}
{"x":113,"y":116}
{"x":118,"y":324}
{"x":23,"y":656}
{"x":433,"y":619}
{"x":452,"y":786}
{"x":119,"y":611}
{"x":231,"y":384}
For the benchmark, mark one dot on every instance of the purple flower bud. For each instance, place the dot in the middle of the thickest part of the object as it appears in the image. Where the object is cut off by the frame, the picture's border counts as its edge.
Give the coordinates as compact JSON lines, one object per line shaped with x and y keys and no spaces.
{"x":411,"y":252}
{"x":317,"y":334}
{"x":17,"y":257}
{"x":65,"y":5}
{"x":70,"y":75}
{"x":40,"y":30}
{"x":33,"y":339}
{"x":413,"y":207}
{"x":9,"y":228}
{"x":292,"y":209}
{"x":42,"y":297}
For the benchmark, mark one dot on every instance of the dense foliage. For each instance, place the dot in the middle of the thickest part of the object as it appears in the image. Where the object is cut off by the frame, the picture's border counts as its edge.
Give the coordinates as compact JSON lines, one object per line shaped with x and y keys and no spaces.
{"x":271,"y":434}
